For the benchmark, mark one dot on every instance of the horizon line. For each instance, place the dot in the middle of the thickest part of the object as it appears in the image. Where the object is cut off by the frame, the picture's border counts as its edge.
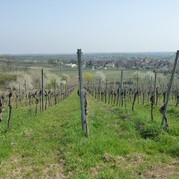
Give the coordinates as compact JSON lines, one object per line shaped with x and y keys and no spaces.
{"x":35,"y":54}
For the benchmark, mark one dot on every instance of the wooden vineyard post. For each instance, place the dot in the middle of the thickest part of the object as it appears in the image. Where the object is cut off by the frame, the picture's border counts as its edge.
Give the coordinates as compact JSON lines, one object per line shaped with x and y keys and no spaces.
{"x":20,"y":94}
{"x":121,"y":90}
{"x":106,"y":91}
{"x":66,"y":90}
{"x":150,"y":87}
{"x":30,"y":101}
{"x":155,"y":88}
{"x":16,"y":100}
{"x":46,"y":99}
{"x":137,"y":87}
{"x":117,"y":85}
{"x":177,"y":100}
{"x":135,"y":95}
{"x":163,"y":109}
{"x":129,"y":90}
{"x":112,"y":92}
{"x":25,"y":87}
{"x":42,"y":90}
{"x":60,"y":92}
{"x":143,"y":95}
{"x":152,"y":100}
{"x":55,"y":92}
{"x":10,"y":111}
{"x":39,"y":97}
{"x":82,"y":94}
{"x":109,"y":94}
{"x":36,"y":103}
{"x":99,"y":90}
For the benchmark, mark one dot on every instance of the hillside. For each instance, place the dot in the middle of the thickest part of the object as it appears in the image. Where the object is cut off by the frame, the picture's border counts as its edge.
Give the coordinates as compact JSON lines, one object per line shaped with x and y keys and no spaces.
{"x":121,"y":144}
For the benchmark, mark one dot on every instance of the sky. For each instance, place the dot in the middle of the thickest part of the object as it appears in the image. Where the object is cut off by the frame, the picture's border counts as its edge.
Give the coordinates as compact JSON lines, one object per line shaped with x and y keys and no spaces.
{"x":63,"y":26}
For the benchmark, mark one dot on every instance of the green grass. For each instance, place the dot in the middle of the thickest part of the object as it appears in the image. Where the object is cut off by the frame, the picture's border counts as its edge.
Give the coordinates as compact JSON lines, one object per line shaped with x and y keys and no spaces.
{"x":121,"y":143}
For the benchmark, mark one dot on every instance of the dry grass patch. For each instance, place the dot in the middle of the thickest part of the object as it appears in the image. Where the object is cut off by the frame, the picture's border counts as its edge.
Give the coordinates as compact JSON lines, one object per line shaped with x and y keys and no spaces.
{"x":162,"y":171}
{"x":55,"y":171}
{"x":137,"y":165}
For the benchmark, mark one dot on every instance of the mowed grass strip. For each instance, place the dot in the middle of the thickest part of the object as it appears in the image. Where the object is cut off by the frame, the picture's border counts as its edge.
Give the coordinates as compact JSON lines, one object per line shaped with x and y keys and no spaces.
{"x":121,"y":144}
{"x":30,"y":149}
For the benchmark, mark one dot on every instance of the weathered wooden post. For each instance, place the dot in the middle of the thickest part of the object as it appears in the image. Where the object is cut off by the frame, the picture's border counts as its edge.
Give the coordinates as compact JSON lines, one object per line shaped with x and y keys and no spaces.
{"x":10,"y":111}
{"x":20,"y":94}
{"x":30,"y":102}
{"x":36,"y":103}
{"x":17,"y":100}
{"x":40,"y":95}
{"x":121,"y":89}
{"x":130,"y":89}
{"x":46,"y":98}
{"x":152,"y":100}
{"x":55,"y":92}
{"x":113,"y":91}
{"x":99,"y":90}
{"x":135,"y":95}
{"x":138,"y":87}
{"x":164,"y":109}
{"x":150,"y":88}
{"x":81,"y":89}
{"x":177,"y":100}
{"x":42,"y":90}
{"x":25,"y":88}
{"x":155,"y":88}
{"x":106,"y":91}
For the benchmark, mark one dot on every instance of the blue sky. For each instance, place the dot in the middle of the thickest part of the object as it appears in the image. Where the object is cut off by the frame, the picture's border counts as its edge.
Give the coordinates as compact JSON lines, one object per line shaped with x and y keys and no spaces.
{"x":63,"y":26}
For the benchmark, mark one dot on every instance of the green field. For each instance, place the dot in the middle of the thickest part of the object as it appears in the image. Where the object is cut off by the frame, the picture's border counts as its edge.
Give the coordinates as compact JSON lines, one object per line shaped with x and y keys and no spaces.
{"x":121,"y":144}
{"x":115,"y":74}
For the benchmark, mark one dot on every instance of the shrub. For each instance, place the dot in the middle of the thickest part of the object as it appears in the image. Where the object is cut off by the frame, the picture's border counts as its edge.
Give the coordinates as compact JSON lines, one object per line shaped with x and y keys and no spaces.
{"x":6,"y":79}
{"x":88,"y":76}
{"x":174,"y":150}
{"x":99,"y":75}
{"x":150,"y":131}
{"x":65,"y":77}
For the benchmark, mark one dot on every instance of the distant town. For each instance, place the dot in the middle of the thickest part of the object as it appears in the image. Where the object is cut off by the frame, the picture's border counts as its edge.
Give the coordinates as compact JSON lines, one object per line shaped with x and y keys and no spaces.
{"x":156,"y":60}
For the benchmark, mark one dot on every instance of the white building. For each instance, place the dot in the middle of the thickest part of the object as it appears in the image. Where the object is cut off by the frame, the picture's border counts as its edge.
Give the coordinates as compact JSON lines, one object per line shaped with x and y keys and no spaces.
{"x":110,"y":65}
{"x":70,"y":65}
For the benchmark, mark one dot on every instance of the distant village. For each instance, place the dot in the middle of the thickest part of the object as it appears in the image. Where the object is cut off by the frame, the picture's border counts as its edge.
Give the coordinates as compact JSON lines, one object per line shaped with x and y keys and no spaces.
{"x":161,"y":61}
{"x":163,"y":65}
{"x":132,"y":64}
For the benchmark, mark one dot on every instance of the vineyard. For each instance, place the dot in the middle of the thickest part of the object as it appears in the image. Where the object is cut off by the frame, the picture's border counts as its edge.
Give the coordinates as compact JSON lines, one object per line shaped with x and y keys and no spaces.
{"x":35,"y":100}
{"x":127,"y":93}
{"x":41,"y":134}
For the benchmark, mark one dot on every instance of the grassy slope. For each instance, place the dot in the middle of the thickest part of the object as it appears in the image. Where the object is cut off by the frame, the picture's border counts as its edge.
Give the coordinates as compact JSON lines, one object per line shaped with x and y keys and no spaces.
{"x":52,"y":144}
